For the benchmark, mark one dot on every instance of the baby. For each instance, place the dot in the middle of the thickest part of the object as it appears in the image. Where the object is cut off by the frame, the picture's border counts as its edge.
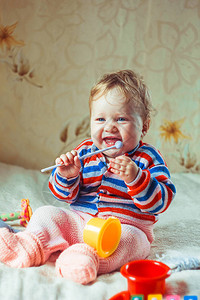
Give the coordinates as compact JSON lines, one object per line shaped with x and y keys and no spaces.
{"x":131,"y":183}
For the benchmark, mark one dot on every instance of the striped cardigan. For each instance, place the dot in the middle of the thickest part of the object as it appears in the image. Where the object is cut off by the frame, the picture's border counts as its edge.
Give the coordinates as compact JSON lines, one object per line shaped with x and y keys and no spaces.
{"x":98,"y":191}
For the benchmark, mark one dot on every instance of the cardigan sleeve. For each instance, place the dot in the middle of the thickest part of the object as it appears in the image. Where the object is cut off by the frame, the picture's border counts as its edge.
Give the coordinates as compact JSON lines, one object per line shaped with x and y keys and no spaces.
{"x":152,"y":190}
{"x":64,"y":189}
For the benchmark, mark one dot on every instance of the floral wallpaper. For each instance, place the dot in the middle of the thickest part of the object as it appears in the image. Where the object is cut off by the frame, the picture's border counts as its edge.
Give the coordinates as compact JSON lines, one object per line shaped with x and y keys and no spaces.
{"x":52,"y":52}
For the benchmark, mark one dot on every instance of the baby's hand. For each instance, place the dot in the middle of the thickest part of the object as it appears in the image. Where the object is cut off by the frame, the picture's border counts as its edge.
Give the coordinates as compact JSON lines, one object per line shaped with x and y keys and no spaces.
{"x":71,"y":164}
{"x":124,"y":167}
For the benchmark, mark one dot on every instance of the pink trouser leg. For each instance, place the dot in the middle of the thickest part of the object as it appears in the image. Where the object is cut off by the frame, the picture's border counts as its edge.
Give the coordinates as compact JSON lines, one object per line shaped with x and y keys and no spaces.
{"x":50,"y":229}
{"x":56,"y":228}
{"x":53,"y":229}
{"x":80,"y":262}
{"x":20,"y":250}
{"x":133,"y":245}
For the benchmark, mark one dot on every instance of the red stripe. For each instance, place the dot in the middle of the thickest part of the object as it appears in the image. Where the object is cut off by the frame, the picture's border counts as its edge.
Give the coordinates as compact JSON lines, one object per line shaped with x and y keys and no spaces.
{"x":150,"y":204}
{"x":126,"y":212}
{"x":92,"y":179}
{"x":73,"y":194}
{"x":170,"y":197}
{"x":161,"y":177}
{"x":156,"y":199}
{"x":84,"y":143}
{"x":62,"y":186}
{"x":140,"y":181}
{"x":114,"y":191}
{"x":53,"y":191}
{"x":141,"y":184}
{"x":87,"y":160}
{"x":68,"y":198}
{"x":145,"y":156}
{"x":94,"y":157}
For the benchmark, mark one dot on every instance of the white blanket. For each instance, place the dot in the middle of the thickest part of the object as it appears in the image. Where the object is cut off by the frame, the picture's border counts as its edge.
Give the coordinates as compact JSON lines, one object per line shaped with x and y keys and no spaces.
{"x":176,"y":237}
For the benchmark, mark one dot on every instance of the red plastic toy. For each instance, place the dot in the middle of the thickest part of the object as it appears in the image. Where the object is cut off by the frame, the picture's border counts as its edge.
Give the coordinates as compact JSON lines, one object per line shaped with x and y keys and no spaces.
{"x":144,"y":277}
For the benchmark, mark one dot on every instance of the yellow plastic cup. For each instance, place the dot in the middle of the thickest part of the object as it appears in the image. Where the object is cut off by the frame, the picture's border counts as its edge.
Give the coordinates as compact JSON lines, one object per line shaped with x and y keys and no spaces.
{"x":103,"y":235}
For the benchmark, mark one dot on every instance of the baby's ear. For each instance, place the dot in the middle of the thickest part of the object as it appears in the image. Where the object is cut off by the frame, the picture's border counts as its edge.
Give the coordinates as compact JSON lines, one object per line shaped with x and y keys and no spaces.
{"x":145,"y":127}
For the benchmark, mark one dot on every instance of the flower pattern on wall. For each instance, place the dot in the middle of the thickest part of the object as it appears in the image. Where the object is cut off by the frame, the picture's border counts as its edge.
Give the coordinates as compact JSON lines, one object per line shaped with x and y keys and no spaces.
{"x":7,"y":40}
{"x":71,"y":138}
{"x":171,"y":132}
{"x":13,"y":57}
{"x":179,"y":49}
{"x":117,"y":10}
{"x":193,"y":4}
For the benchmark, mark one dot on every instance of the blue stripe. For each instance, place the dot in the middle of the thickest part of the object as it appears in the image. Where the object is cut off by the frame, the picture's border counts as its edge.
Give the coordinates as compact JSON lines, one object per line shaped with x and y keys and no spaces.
{"x":84,"y":151}
{"x":172,"y":187}
{"x":85,"y":207}
{"x":154,"y":154}
{"x":114,"y":181}
{"x":132,"y":207}
{"x":150,"y":191}
{"x":63,"y":192}
{"x":88,"y":199}
{"x":162,"y":204}
{"x":65,"y":181}
{"x":90,"y":169}
{"x":162,"y":170}
{"x":140,"y":164}
{"x":90,"y":189}
{"x":101,"y":168}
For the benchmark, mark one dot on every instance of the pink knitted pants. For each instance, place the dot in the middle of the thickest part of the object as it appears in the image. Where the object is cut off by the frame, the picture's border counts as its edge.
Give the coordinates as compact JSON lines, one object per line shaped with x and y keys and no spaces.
{"x":53,"y":229}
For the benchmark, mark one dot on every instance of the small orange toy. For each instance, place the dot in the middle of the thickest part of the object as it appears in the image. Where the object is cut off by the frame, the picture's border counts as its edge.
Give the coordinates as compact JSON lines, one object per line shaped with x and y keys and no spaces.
{"x":103,"y":235}
{"x":24,"y":215}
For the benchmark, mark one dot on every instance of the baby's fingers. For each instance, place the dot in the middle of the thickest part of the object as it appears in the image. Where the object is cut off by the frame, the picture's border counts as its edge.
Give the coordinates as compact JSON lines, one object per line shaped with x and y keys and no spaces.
{"x":70,"y":157}
{"x":67,"y":158}
{"x":59,"y":161}
{"x":77,"y":162}
{"x":64,"y":159}
{"x":117,"y":165}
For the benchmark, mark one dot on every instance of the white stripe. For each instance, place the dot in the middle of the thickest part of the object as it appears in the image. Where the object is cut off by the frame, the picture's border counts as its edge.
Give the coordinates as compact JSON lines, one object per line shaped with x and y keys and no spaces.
{"x":115,"y":186}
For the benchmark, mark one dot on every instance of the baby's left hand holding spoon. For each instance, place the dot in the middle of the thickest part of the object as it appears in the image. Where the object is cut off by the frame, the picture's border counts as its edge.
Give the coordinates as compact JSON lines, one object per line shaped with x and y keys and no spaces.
{"x":71,"y":164}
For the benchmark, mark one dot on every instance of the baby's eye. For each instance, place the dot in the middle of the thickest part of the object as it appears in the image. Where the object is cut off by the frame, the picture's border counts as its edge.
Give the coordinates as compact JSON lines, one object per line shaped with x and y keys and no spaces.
{"x":121,"y":119}
{"x":100,"y":119}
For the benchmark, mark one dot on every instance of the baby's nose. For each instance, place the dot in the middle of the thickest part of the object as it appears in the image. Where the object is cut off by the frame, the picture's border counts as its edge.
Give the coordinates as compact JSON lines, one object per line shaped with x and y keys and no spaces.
{"x":110,"y":126}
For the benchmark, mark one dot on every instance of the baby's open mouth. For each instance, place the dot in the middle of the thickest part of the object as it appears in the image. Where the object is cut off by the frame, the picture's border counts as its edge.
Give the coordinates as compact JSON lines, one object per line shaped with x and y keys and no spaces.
{"x":110,"y":141}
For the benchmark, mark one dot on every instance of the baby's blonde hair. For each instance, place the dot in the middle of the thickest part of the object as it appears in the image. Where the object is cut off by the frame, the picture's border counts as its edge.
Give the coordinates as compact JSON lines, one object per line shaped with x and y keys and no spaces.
{"x":131,"y":85}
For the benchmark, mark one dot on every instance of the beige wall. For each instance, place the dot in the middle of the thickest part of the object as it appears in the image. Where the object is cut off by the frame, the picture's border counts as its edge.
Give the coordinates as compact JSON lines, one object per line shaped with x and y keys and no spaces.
{"x":58,"y":49}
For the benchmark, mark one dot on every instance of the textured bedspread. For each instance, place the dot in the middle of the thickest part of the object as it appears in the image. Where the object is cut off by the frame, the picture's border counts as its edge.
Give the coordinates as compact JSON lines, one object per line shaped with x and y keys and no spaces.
{"x":177,"y":236}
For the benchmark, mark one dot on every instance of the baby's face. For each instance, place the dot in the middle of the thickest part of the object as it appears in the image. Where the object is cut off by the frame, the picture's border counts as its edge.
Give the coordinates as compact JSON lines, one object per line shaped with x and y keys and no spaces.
{"x":112,"y":120}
